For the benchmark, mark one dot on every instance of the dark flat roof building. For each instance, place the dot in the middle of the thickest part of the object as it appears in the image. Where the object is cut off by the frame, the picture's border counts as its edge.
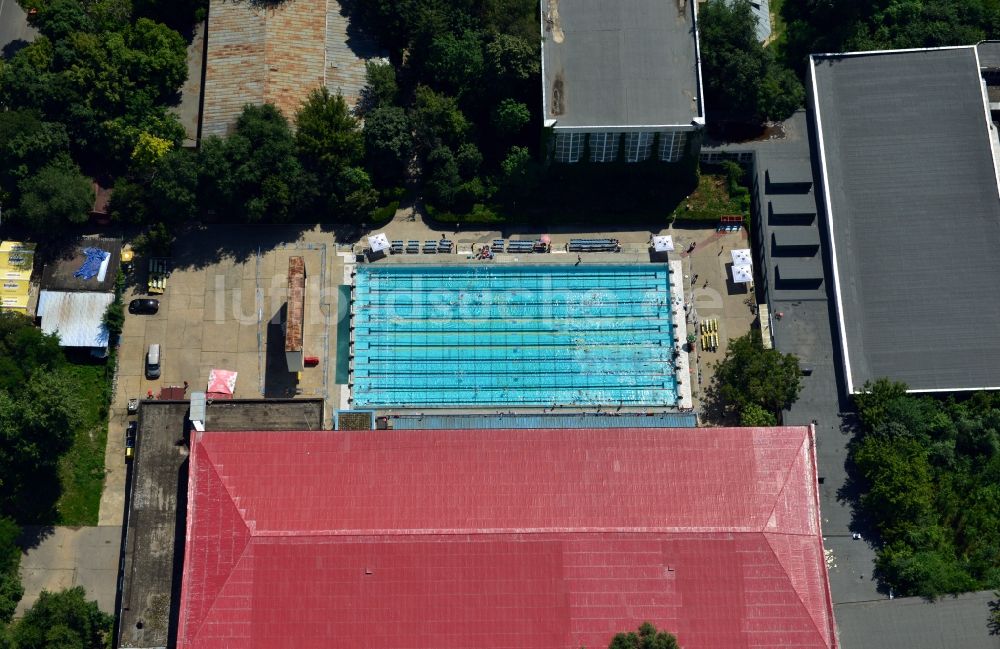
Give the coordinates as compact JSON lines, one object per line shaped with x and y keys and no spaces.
{"x":621,"y":67}
{"x":907,"y":152}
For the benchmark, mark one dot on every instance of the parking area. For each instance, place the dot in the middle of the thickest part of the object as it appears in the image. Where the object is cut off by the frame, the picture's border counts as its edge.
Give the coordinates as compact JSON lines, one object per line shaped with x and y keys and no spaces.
{"x":223,"y":313}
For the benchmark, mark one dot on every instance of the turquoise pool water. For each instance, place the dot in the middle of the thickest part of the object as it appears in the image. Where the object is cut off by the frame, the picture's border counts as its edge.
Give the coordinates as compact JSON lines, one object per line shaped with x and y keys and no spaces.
{"x":513,"y":336}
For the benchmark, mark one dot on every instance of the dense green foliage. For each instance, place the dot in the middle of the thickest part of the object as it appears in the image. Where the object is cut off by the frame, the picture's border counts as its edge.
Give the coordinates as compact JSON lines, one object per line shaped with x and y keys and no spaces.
{"x":101,"y":72}
{"x":647,"y":638}
{"x":461,"y":100}
{"x":64,"y":620}
{"x":853,"y":25}
{"x":83,"y":100}
{"x":10,"y":560}
{"x":45,"y":403}
{"x":743,"y":79}
{"x":929,"y":476}
{"x":751,"y":377}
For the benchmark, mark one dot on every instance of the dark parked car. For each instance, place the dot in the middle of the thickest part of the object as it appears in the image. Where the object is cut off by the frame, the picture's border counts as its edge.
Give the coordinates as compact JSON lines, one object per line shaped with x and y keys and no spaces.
{"x":144,"y":306}
{"x":133,"y":428}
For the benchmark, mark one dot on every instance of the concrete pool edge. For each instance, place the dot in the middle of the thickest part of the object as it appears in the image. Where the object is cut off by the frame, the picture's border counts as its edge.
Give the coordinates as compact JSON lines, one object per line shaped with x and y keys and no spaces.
{"x":679,"y":315}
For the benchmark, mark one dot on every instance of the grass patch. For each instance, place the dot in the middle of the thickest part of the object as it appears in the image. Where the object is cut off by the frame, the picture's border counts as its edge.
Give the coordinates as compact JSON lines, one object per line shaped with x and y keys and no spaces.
{"x":81,"y":469}
{"x":777,"y":20}
{"x":721,"y":191}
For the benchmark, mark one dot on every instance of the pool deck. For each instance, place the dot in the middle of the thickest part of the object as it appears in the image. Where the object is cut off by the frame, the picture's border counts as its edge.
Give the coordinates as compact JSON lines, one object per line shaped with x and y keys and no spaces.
{"x":684,"y":373}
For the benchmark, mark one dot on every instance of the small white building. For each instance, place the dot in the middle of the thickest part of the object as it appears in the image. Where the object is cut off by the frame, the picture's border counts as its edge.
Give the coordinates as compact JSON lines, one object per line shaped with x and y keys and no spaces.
{"x":77,"y":318}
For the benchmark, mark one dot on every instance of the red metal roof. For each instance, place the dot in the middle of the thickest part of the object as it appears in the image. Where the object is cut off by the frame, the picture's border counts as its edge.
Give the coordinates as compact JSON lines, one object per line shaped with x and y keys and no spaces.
{"x":517,"y":539}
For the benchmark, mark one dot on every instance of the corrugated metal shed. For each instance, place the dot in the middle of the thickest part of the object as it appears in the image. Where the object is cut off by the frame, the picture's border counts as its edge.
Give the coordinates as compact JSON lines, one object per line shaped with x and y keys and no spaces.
{"x":523,"y":539}
{"x":76,"y":317}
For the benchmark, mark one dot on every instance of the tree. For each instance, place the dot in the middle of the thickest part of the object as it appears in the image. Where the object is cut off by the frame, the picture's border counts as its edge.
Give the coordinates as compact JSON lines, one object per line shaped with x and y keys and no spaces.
{"x":173,"y":187}
{"x":24,"y":349}
{"x":510,"y":117}
{"x":157,"y":60}
{"x":749,"y":374}
{"x":54,"y":197}
{"x":437,"y":121}
{"x":65,"y":620}
{"x":511,"y":61}
{"x":11,"y":589}
{"x":269,"y":183}
{"x":327,"y":136}
{"x":456,"y":61}
{"x":26,"y":145}
{"x":742,"y":78}
{"x":388,"y":143}
{"x":442,"y":179}
{"x":816,"y":26}
{"x":380,"y":86}
{"x":57,"y":19}
{"x":519,"y":173}
{"x":874,"y":399}
{"x":754,"y":415}
{"x":647,"y":638}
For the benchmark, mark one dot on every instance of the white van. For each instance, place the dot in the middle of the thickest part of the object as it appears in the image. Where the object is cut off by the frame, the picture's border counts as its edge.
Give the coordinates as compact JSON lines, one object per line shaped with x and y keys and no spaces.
{"x":153,"y":362}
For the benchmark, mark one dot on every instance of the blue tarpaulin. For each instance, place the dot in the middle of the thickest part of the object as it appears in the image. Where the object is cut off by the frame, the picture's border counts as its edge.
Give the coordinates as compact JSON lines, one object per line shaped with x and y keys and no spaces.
{"x":90,"y":268}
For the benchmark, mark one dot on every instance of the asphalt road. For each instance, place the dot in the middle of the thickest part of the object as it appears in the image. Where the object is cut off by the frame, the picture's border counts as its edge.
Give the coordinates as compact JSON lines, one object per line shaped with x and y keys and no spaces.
{"x":13,"y":24}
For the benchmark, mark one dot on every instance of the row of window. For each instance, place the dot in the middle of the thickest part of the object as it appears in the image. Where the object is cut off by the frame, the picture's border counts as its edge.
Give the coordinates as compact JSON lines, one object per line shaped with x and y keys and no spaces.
{"x":604,"y":147}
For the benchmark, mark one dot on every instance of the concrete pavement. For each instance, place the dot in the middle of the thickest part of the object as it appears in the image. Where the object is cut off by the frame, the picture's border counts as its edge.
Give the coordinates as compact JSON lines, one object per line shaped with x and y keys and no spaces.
{"x":13,"y":26}
{"x":188,"y":110}
{"x":65,"y":557}
{"x":225,"y":310}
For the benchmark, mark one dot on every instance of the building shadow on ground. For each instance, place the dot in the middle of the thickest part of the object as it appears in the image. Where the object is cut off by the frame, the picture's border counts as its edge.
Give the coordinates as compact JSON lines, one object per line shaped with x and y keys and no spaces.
{"x":279,"y":381}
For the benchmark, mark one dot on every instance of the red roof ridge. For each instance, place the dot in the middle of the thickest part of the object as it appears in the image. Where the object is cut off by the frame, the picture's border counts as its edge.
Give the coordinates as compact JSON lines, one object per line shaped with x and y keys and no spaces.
{"x":770,"y":526}
{"x":247,"y":540}
{"x":781,"y":557}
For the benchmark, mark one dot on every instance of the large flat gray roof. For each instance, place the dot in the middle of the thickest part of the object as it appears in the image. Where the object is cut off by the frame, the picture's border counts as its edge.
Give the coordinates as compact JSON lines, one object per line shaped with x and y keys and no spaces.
{"x":907,"y":622}
{"x":914,"y":215}
{"x":620,"y":64}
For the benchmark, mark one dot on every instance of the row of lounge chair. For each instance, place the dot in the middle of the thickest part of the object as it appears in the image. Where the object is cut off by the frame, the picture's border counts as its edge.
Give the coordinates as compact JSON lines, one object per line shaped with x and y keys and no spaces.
{"x":524,"y":245}
{"x":594,"y":245}
{"x":709,"y":326}
{"x":430,"y":247}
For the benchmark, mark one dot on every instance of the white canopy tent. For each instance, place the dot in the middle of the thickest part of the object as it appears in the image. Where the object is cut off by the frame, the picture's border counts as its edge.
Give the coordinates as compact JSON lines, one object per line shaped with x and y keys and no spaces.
{"x":742,"y":274}
{"x":742,"y":257}
{"x":664,"y":243}
{"x":378,"y":242}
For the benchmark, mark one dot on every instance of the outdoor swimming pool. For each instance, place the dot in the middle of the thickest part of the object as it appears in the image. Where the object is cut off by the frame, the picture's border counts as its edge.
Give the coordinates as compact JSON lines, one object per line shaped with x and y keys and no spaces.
{"x":513,"y":336}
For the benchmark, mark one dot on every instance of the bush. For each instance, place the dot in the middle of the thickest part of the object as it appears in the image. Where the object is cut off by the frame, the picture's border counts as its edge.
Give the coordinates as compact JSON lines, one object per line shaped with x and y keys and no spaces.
{"x":114,"y":318}
{"x":384,"y":213}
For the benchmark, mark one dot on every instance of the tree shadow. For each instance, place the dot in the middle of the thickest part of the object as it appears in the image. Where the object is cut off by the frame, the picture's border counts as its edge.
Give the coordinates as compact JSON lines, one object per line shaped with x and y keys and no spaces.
{"x":855,"y":486}
{"x":33,"y":535}
{"x":203,"y":246}
{"x":993,"y":623}
{"x":12,"y":48}
{"x":359,"y":39}
{"x":714,"y":408}
{"x":35,"y":502}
